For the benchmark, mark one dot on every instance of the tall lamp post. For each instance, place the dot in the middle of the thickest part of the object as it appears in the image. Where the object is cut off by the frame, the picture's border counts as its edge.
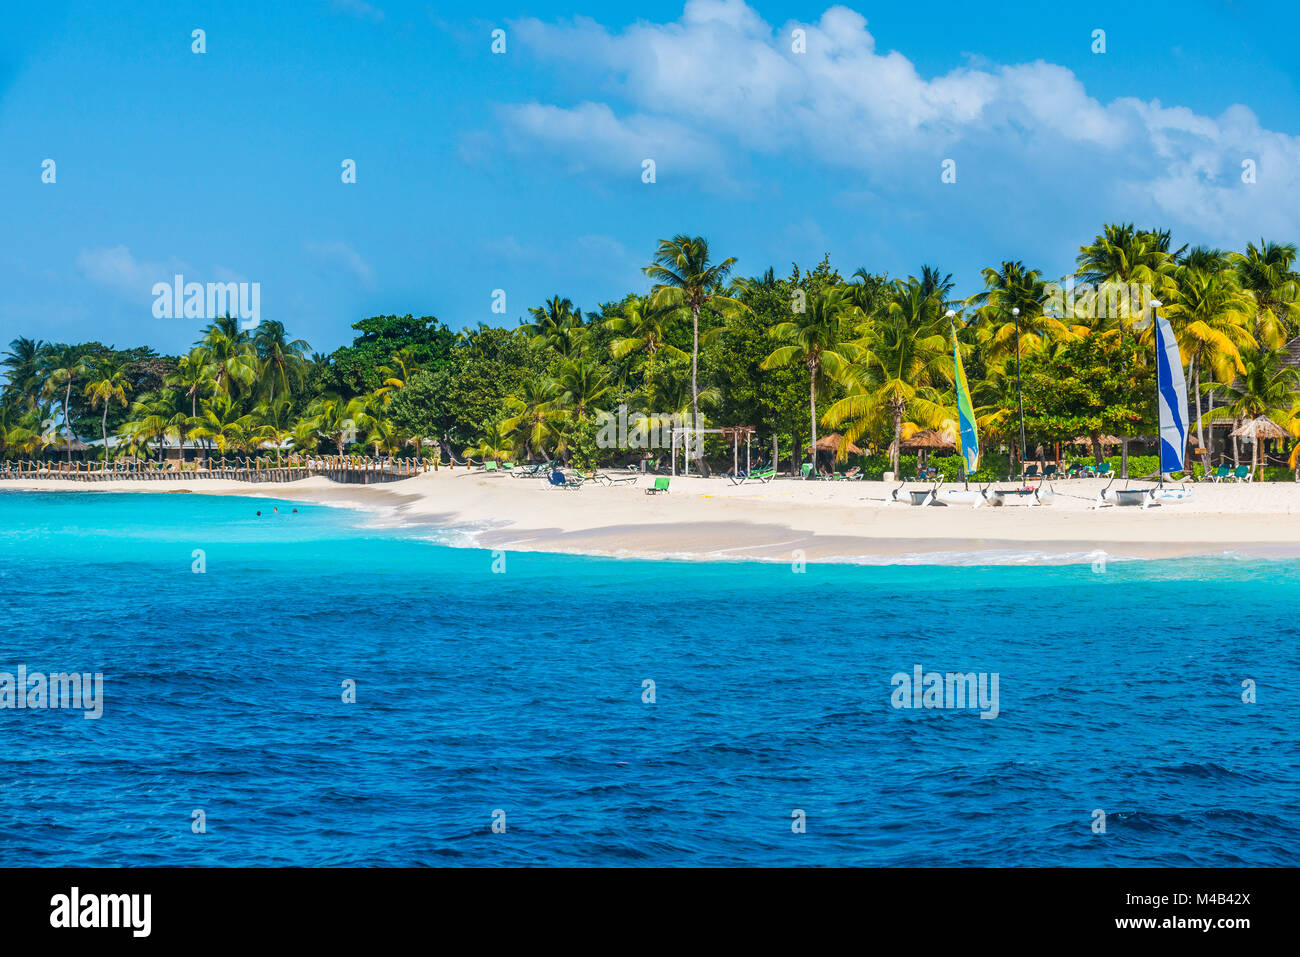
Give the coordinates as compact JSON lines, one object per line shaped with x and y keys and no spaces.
{"x":1020,"y":395}
{"x":1155,"y":334}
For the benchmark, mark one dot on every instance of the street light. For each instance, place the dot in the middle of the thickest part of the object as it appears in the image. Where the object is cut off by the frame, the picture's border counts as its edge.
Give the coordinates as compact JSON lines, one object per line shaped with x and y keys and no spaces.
{"x":1020,"y":395}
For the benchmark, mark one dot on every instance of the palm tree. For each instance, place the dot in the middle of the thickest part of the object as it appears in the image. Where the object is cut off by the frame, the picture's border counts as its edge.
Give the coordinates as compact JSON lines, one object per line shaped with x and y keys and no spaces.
{"x":1211,"y":317}
{"x":220,"y":422}
{"x":1266,"y":386}
{"x":23,"y":364}
{"x":1010,"y":309}
{"x":1265,"y":272}
{"x":581,"y":385}
{"x":274,"y":424}
{"x":685,"y":278}
{"x":65,"y":366}
{"x":900,"y":356}
{"x":282,"y":359}
{"x":108,"y":384}
{"x":815,"y":338}
{"x":643,"y":329}
{"x":1126,"y":255}
{"x":229,"y":358}
{"x":556,"y":325}
{"x":191,"y":377}
{"x":149,"y":419}
{"x":16,"y":436}
{"x":338,"y":419}
{"x":495,"y":444}
{"x":534,"y":416}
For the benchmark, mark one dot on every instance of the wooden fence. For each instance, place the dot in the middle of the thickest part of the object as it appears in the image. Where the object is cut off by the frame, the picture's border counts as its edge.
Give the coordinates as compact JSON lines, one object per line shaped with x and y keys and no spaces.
{"x":351,"y":469}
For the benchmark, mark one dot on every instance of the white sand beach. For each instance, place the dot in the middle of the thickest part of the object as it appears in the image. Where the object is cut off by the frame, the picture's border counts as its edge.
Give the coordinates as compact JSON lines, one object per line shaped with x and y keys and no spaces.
{"x":788,"y":519}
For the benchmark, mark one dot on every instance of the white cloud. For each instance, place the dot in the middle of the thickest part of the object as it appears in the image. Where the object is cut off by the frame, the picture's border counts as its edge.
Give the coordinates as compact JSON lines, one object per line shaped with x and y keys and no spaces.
{"x":718,"y":85}
{"x":340,"y":254}
{"x":116,"y":267}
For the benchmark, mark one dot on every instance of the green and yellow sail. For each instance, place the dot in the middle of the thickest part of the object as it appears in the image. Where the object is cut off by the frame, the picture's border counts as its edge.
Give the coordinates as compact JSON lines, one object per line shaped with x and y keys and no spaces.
{"x":970,"y":438}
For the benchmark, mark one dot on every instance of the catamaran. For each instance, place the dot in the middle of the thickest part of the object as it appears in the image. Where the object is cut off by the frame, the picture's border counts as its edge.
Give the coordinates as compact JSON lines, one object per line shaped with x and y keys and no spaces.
{"x":1171,"y":398}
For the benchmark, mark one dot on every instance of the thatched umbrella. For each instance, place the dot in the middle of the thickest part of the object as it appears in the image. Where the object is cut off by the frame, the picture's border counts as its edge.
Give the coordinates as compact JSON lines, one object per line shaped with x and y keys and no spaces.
{"x":1257,"y":430}
{"x":927,"y":439}
{"x":1261,"y":427}
{"x":831,"y":443}
{"x":1101,"y":440}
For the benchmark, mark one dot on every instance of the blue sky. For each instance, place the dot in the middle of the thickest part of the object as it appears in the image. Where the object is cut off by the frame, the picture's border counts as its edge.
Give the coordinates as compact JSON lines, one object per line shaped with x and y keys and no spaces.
{"x":522,"y":171}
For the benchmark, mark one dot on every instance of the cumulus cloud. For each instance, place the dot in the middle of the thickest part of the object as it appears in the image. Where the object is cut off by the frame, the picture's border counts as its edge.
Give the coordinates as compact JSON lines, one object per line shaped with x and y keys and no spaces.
{"x":720,"y":84}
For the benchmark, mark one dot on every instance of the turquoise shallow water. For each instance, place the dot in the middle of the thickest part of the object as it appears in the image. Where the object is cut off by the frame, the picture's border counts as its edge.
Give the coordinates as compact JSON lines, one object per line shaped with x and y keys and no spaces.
{"x":522,"y":691}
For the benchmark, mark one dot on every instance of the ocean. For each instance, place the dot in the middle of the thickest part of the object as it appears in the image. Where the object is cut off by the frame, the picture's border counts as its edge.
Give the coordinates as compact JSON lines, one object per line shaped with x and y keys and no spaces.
{"x":532,"y":709}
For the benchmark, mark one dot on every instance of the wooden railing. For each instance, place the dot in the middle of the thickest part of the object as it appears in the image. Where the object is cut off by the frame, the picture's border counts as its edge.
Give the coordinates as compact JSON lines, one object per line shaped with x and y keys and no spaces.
{"x":351,"y":469}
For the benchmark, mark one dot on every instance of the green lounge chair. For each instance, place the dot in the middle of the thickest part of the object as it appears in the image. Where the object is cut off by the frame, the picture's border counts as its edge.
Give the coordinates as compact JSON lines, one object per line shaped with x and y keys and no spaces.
{"x":1031,"y":471}
{"x":763,"y":475}
{"x":1241,"y":473}
{"x":490,"y":466}
{"x":806,"y":470}
{"x":1104,"y":470}
{"x":1051,"y":472}
{"x":661,"y":485}
{"x":1221,"y":474}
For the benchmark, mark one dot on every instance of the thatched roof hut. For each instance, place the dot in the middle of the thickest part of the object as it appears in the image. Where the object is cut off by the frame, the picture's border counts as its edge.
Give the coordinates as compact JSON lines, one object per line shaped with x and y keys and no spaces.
{"x":1261,"y":427}
{"x":929,"y":439}
{"x":75,"y":445}
{"x":831,"y":443}
{"x":1101,"y":440}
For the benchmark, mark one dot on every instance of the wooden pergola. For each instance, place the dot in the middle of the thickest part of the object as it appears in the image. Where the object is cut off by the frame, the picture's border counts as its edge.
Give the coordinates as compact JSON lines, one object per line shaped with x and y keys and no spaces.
{"x":735,"y":432}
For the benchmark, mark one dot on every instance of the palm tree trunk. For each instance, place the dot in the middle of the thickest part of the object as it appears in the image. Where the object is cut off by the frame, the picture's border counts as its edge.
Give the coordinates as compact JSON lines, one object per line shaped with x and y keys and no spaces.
{"x":1236,"y":447}
{"x":1200,"y":431}
{"x":1123,"y":441}
{"x":67,"y":424}
{"x":812,"y":409}
{"x":898,"y":439}
{"x":695,"y":356}
{"x":103,"y":430}
{"x":695,"y":385}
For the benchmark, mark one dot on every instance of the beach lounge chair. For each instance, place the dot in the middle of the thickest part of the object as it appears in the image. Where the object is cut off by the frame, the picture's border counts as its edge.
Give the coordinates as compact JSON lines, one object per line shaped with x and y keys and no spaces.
{"x":1051,"y":472}
{"x":557,"y":479}
{"x":806,"y":470}
{"x":1241,"y":473}
{"x":490,"y":465}
{"x":763,"y":475}
{"x":1104,"y":470}
{"x":850,"y":474}
{"x":1031,"y":471}
{"x":661,"y":485}
{"x":1221,"y":474}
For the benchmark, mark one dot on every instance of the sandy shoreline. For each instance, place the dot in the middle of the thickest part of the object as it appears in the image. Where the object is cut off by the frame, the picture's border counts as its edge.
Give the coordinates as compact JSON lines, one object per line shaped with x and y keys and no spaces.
{"x":786,"y":519}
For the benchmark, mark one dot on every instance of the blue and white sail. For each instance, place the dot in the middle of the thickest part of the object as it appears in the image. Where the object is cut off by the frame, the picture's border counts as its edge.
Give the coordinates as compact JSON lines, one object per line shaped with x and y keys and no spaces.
{"x":1171,"y":395}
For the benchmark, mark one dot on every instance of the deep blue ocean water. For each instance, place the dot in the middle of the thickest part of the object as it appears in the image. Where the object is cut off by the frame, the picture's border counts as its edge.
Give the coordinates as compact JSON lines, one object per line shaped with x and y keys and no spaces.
{"x":522,"y":691}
